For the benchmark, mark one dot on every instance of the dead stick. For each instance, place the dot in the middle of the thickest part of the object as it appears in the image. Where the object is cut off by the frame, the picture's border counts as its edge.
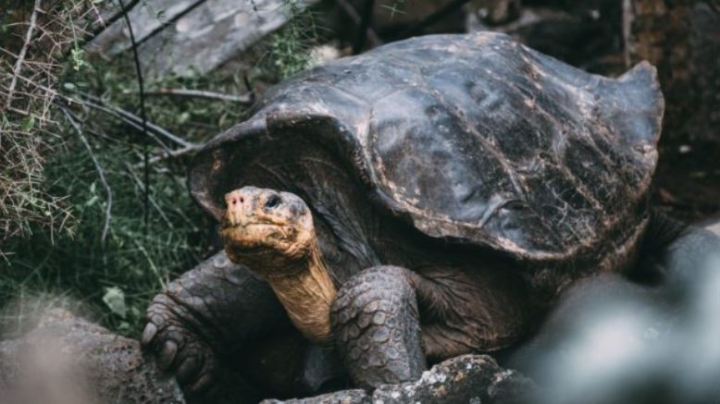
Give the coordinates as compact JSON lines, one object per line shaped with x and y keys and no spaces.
{"x":23,"y":51}
{"x":113,"y":112}
{"x":157,"y":129}
{"x":173,"y":154}
{"x":199,"y":94}
{"x":100,"y":171}
{"x":152,"y":200}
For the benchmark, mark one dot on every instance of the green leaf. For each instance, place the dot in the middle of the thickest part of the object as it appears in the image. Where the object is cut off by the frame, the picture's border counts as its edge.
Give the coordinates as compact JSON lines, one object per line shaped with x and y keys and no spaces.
{"x":29,"y":123}
{"x":78,"y":56}
{"x":92,"y":201}
{"x":114,"y":298}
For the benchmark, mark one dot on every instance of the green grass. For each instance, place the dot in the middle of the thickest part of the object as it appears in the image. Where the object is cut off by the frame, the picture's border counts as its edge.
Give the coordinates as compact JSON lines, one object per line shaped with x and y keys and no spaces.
{"x":135,"y":259}
{"x":114,"y":278}
{"x":288,"y":50}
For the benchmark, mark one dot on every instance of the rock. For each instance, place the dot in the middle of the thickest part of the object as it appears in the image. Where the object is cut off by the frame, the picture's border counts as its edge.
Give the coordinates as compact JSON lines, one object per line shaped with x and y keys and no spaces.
{"x":464,"y":379}
{"x":681,"y":38}
{"x":612,"y":341}
{"x":583,"y":33}
{"x":68,"y":360}
{"x":193,"y":37}
{"x":712,"y":224}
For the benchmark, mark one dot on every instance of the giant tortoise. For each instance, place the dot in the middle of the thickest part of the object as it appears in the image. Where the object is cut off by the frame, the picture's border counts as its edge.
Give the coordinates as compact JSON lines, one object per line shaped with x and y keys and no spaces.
{"x":427,"y":199}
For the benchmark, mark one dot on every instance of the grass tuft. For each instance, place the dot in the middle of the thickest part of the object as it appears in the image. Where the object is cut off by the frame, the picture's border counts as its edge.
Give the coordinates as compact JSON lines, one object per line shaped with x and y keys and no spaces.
{"x":72,"y":186}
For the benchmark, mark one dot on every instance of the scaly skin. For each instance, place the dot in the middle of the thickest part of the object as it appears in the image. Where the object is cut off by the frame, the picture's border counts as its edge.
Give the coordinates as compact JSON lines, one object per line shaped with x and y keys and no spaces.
{"x":377,"y":325}
{"x":273,"y":233}
{"x":206,"y":314}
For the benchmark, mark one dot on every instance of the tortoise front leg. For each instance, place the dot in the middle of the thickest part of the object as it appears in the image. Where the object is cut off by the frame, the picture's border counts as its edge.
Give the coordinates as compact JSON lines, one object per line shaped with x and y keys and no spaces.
{"x":206,"y":314}
{"x":377,"y":328}
{"x":388,"y":321}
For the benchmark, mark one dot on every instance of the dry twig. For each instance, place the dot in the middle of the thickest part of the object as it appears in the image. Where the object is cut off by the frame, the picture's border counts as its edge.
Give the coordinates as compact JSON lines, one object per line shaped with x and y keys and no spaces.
{"x":100,"y":171}
{"x":98,"y":103}
{"x":241,"y":99}
{"x":23,"y":52}
{"x":152,"y":200}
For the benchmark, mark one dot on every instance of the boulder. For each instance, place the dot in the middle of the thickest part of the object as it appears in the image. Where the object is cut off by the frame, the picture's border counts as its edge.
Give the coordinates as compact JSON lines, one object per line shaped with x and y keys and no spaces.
{"x":465,"y":379}
{"x":69,"y":360}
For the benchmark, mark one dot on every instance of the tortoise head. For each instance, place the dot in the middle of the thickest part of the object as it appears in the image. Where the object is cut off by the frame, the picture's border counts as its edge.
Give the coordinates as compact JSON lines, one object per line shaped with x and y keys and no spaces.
{"x":266,"y":229}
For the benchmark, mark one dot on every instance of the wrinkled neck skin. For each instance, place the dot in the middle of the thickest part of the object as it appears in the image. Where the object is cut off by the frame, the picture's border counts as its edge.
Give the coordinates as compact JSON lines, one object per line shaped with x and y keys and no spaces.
{"x":307,"y":292}
{"x":302,"y":284}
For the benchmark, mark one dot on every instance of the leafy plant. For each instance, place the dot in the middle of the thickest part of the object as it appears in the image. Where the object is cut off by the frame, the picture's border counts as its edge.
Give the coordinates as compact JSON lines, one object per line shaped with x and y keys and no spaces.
{"x":92,"y":185}
{"x":289,"y":48}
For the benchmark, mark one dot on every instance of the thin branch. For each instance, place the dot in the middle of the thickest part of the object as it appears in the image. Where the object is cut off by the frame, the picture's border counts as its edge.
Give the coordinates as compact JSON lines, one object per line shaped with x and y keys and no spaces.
{"x":134,"y":118}
{"x":23,"y":51}
{"x":250,"y":89}
{"x":100,"y":171}
{"x":173,"y":154}
{"x":241,"y":99}
{"x":98,"y":134}
{"x":152,"y":200}
{"x":116,"y":112}
{"x":141,"y":86}
{"x":372,"y":36}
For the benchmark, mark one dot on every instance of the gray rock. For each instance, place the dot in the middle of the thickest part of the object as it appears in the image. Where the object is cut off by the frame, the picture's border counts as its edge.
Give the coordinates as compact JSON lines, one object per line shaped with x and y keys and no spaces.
{"x":681,"y":38}
{"x":712,"y":224}
{"x":465,"y":379}
{"x":68,"y":360}
{"x":191,"y":37}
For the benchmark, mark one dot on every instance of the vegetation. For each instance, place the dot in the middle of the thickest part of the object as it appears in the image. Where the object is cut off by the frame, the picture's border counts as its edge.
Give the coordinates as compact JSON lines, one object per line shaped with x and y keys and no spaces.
{"x":75,"y":218}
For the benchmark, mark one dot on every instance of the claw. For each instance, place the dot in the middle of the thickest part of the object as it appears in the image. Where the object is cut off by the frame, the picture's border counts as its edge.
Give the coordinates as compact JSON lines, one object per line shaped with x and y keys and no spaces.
{"x":187,"y":370}
{"x":202,"y":384}
{"x":167,"y":355}
{"x":149,"y":333}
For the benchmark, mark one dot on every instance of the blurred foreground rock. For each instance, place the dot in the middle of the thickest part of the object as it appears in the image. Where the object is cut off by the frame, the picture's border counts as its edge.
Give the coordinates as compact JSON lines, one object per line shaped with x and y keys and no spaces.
{"x":68,"y":360}
{"x":713,"y":225}
{"x":611,"y":341}
{"x":466,"y":379}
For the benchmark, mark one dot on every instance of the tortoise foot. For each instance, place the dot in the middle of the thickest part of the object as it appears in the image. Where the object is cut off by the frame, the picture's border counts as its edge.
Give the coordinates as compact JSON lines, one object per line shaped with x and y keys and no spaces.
{"x":178,"y":349}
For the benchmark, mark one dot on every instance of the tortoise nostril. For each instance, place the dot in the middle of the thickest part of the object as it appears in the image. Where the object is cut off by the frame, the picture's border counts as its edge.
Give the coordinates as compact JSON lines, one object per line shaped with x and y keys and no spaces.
{"x":242,"y":199}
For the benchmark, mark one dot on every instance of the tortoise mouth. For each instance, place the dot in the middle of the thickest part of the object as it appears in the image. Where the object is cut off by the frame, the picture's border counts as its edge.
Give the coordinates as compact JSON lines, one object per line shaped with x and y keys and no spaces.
{"x":227,"y":225}
{"x":251,"y":233}
{"x":251,"y":226}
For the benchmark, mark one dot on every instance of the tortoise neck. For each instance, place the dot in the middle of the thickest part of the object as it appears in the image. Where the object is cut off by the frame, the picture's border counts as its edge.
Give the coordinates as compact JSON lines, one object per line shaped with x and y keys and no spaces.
{"x":307,"y":293}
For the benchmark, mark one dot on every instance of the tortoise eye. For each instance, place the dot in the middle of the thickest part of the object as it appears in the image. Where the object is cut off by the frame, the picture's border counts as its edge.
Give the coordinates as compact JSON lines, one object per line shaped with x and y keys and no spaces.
{"x":272,"y":202}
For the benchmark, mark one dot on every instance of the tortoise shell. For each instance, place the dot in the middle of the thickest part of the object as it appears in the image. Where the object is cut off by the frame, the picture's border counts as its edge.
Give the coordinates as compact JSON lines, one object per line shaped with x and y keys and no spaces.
{"x":470,"y":138}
